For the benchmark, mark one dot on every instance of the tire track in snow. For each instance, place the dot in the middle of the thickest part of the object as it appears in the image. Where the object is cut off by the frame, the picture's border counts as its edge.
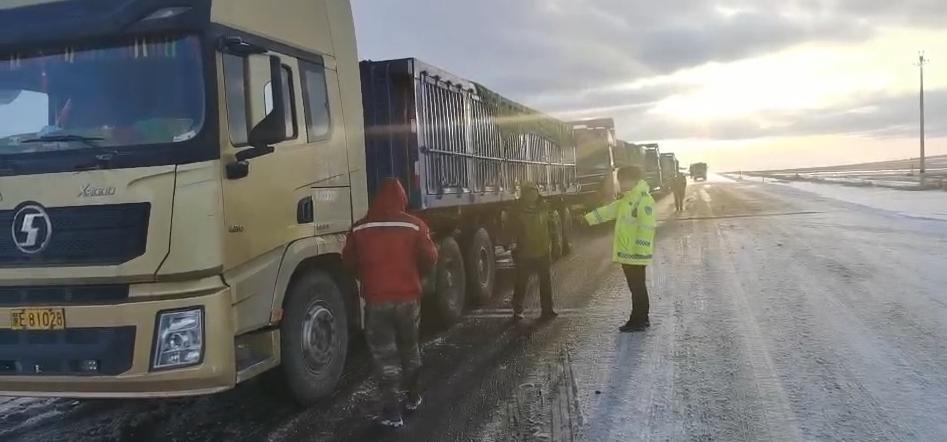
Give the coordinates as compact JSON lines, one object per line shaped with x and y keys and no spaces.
{"x":888,"y":366}
{"x":781,"y":421}
{"x":819,"y":345}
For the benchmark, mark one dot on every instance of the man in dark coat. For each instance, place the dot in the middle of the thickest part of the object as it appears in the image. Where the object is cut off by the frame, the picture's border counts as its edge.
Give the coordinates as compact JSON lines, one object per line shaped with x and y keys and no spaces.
{"x":530,"y":230}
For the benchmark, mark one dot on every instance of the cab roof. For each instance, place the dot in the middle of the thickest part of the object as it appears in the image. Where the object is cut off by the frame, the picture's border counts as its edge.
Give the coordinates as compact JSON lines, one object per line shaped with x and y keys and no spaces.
{"x":28,"y":23}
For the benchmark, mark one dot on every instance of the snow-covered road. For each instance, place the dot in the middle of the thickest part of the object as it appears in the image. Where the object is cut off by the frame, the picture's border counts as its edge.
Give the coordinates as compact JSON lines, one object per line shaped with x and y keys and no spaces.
{"x":778,"y":314}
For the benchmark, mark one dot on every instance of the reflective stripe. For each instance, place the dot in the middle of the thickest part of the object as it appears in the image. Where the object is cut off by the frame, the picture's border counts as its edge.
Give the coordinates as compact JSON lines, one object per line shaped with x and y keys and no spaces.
{"x":644,"y":243}
{"x":386,"y":224}
{"x":635,"y":256}
{"x":598,"y":216}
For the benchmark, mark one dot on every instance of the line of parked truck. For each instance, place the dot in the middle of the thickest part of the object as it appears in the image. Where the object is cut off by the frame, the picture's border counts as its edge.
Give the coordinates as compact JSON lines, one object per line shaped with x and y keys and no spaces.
{"x":179,"y":181}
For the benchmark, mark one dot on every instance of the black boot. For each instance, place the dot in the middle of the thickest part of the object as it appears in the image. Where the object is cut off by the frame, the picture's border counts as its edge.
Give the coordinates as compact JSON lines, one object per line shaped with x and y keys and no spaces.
{"x":412,"y":401}
{"x":635,"y":325}
{"x":390,"y":418}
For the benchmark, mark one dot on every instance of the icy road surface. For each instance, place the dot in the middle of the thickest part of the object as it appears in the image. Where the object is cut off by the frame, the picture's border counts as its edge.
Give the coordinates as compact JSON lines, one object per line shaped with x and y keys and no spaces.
{"x":778,"y":314}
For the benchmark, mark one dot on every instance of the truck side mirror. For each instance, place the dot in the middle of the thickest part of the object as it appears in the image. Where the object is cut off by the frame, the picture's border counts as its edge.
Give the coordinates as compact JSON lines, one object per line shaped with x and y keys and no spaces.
{"x":267,"y":105}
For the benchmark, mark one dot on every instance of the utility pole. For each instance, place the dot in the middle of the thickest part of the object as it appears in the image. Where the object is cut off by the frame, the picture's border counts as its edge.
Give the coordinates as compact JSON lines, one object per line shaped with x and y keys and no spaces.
{"x":921,"y":62}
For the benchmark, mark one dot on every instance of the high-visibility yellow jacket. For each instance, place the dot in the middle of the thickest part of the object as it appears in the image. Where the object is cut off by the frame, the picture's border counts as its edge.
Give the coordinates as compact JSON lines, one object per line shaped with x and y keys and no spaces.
{"x":635,"y":224}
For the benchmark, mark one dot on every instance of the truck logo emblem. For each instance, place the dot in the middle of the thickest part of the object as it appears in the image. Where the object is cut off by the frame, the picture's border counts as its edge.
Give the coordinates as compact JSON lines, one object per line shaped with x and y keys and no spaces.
{"x":90,"y":191}
{"x":32,"y":229}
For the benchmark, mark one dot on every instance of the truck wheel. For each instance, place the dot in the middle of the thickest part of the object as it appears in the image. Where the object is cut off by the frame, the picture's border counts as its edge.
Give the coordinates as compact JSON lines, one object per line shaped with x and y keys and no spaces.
{"x":314,"y":337}
{"x":450,"y":292}
{"x":555,"y":236}
{"x":565,"y":215}
{"x":481,"y":267}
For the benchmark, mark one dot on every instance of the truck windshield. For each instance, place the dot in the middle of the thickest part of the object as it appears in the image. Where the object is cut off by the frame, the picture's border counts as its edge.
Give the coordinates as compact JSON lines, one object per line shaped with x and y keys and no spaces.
{"x":145,"y":91}
{"x":592,"y":150}
{"x":651,"y":160}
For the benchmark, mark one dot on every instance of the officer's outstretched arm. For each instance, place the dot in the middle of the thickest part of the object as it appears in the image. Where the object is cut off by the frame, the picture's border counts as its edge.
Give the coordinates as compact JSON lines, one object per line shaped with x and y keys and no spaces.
{"x":603,"y":214}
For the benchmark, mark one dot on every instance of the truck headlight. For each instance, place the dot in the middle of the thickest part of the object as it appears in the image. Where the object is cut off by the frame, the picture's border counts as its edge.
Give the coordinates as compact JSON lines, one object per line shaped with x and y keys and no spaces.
{"x":179,"y":339}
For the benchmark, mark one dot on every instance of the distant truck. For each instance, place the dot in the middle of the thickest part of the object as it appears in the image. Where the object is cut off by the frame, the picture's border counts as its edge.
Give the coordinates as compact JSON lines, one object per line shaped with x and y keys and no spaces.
{"x":652,"y":167}
{"x":670,"y":168}
{"x":629,"y":154}
{"x":180,"y":178}
{"x":597,"y":155}
{"x":699,"y":171}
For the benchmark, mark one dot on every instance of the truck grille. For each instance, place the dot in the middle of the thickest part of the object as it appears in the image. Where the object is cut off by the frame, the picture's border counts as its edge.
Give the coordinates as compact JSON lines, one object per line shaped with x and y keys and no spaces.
{"x":61,"y":295}
{"x":83,"y":235}
{"x":67,"y":352}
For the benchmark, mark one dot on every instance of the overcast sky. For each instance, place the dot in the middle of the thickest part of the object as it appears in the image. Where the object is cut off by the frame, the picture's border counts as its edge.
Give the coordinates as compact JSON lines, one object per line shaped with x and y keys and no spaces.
{"x":745,"y":84}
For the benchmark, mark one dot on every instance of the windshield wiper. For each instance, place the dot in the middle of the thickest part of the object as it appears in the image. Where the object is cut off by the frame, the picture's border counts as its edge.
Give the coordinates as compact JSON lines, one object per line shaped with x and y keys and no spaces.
{"x":103,"y":160}
{"x":66,"y":138}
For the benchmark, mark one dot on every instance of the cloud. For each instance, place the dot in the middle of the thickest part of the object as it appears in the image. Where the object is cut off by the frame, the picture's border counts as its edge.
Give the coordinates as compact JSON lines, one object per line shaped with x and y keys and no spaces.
{"x":623,"y":58}
{"x":530,"y":48}
{"x":730,"y":37}
{"x":929,"y":13}
{"x":876,"y":116}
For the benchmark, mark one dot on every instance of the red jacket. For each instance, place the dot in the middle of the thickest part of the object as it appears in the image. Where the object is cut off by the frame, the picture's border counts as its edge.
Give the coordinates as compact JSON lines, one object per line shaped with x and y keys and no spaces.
{"x":388,"y":250}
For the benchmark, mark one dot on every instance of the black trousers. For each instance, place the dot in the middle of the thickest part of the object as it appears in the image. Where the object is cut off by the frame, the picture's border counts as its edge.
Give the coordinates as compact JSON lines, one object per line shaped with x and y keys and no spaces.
{"x":679,"y":201}
{"x":636,"y":277}
{"x":525,"y":268}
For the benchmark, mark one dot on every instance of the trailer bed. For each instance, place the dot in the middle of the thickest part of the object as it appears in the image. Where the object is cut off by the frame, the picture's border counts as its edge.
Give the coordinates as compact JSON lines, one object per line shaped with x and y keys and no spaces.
{"x":453,"y":142}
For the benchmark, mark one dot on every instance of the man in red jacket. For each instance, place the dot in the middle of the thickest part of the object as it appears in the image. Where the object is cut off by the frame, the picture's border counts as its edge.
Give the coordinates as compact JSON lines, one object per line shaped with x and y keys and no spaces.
{"x":389,"y":251}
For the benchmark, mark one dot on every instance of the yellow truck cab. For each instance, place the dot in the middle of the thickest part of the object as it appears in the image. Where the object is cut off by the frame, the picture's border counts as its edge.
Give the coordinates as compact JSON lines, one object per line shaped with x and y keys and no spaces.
{"x":176,"y":180}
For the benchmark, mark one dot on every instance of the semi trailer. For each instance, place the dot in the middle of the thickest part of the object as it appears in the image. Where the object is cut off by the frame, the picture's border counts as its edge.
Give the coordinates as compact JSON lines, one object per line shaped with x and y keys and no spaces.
{"x":463,"y":151}
{"x":596,"y":148}
{"x":629,"y":154}
{"x":177,"y":179}
{"x":670,"y":168}
{"x":652,"y":167}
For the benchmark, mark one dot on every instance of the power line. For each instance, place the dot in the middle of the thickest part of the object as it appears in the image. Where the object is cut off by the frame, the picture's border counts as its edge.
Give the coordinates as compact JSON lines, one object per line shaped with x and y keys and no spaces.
{"x":921,"y":61}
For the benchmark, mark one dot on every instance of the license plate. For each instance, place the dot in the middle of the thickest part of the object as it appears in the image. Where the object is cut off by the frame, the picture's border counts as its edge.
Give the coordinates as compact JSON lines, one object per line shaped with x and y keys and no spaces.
{"x":38,"y":319}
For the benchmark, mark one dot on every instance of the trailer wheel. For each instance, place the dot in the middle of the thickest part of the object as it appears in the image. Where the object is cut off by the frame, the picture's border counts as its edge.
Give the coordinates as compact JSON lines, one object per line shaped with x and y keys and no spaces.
{"x":565,"y":215}
{"x":450,"y":285}
{"x":555,"y":236}
{"x":314,"y":338}
{"x":481,"y":267}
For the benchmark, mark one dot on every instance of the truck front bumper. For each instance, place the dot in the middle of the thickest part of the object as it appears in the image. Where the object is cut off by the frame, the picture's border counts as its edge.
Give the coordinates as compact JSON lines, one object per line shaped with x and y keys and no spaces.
{"x":127,"y":330}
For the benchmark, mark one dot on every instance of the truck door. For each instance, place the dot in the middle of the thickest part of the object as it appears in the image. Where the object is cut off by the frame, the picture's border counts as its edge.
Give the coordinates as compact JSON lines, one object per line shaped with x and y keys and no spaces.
{"x":302,"y":188}
{"x":331,"y":189}
{"x":260,"y":208}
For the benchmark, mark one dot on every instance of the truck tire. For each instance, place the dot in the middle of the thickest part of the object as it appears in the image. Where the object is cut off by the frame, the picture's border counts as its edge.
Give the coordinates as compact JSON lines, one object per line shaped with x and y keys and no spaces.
{"x":555,"y":236}
{"x":481,"y":267}
{"x":450,"y":285}
{"x":314,"y":338}
{"x":566,"y":216}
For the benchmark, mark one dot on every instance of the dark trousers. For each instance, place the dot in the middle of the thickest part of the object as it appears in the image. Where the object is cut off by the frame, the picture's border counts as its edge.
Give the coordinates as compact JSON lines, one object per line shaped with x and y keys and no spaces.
{"x":636,"y":277}
{"x":679,"y":200}
{"x":525,"y":267}
{"x":391,"y":330}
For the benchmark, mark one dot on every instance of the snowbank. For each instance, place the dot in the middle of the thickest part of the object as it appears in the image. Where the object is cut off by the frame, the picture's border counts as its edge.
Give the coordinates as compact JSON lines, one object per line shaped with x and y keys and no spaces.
{"x":931,"y":204}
